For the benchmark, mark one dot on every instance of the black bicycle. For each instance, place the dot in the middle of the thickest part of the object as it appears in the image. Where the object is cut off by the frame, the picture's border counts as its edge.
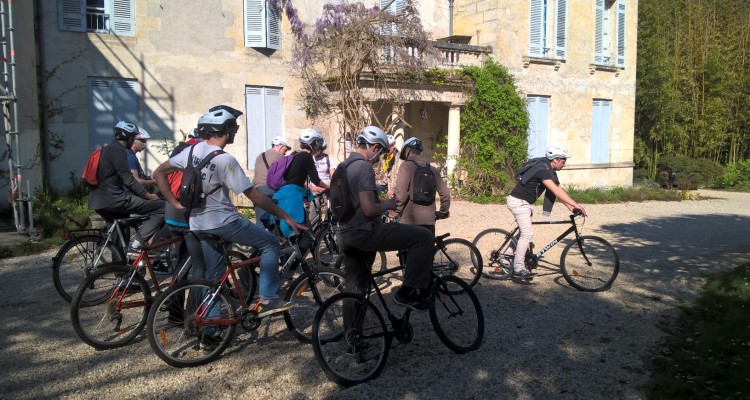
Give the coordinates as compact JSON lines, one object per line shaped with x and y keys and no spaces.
{"x":588,"y":263}
{"x":351,"y":339}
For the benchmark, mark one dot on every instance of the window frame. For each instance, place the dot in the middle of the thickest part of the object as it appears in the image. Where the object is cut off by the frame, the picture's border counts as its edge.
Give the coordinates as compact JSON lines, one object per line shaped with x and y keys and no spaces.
{"x":262,"y":25}
{"x":548,"y":29}
{"x":118,"y":17}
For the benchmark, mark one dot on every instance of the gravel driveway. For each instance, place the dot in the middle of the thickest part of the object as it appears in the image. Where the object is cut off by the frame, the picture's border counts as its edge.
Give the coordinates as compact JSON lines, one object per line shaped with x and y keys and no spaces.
{"x":542,"y":341}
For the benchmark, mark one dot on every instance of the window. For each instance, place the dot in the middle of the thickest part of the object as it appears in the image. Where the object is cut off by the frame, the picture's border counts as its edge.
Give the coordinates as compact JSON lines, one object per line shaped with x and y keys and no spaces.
{"x":609,"y":49}
{"x":262,"y":25}
{"x":548,"y":29}
{"x":538,"y":109}
{"x":110,"y":101}
{"x":104,"y":16}
{"x":263,"y":107}
{"x":600,"y":131}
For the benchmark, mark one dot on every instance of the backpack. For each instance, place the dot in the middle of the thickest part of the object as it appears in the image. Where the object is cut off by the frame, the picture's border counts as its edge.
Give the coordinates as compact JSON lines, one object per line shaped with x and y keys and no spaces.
{"x":191,"y":193}
{"x":530,"y":168}
{"x":275,"y":179}
{"x":342,"y":209}
{"x":423,"y":185}
{"x":88,"y":177}
{"x":175,"y":177}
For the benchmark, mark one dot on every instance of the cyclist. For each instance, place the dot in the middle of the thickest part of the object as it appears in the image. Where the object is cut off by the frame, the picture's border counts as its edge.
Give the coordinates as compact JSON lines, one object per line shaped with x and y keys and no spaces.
{"x":218,"y":128}
{"x":410,"y":212}
{"x":279,"y":148}
{"x":325,"y":168}
{"x":114,"y":176}
{"x":292,"y":195}
{"x":522,"y":197}
{"x":139,"y":144}
{"x":364,"y":233}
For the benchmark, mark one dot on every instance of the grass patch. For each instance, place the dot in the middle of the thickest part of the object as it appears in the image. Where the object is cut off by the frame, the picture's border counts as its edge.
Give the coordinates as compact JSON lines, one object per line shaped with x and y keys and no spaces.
{"x":29,"y":248}
{"x":708,"y":354}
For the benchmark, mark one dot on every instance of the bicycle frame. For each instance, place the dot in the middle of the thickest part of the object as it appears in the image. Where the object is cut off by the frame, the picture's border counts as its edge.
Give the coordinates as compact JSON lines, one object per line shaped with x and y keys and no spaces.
{"x":538,"y":255}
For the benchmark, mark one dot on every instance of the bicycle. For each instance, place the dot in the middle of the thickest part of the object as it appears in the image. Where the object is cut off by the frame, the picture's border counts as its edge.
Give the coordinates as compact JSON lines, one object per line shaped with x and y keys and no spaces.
{"x":110,"y":307}
{"x":193,"y":322}
{"x":355,"y":351}
{"x":588,"y":263}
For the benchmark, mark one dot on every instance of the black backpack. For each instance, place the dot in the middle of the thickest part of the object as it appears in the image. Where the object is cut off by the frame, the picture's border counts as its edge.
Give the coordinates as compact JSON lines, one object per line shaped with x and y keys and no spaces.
{"x":530,"y":168}
{"x":191,"y":184}
{"x":342,"y":209}
{"x":423,"y":185}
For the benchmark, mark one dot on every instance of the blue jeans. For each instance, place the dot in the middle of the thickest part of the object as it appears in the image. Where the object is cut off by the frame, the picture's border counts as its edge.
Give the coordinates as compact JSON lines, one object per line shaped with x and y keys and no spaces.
{"x":244,"y":232}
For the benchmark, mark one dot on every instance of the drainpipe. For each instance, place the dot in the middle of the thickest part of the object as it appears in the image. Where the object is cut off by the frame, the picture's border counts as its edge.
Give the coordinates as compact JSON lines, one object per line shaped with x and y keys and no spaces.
{"x":450,"y":20}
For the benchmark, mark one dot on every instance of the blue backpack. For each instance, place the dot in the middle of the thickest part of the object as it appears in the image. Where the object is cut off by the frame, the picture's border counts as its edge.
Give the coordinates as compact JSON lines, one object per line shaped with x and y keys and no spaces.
{"x":275,"y":179}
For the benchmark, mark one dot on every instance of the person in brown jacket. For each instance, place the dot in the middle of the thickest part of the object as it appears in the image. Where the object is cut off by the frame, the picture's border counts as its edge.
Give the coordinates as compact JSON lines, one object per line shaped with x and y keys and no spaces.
{"x":410,"y":212}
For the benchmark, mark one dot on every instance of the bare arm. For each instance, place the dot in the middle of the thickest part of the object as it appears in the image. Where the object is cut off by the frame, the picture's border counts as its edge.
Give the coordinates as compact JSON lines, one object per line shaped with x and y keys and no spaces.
{"x":144,"y":182}
{"x":371,"y":208}
{"x":561,"y":194}
{"x":160,"y":177}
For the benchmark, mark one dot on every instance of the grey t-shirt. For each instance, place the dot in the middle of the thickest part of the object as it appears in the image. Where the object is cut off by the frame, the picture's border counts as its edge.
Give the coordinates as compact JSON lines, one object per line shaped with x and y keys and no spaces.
{"x":361,"y":178}
{"x":261,"y":170}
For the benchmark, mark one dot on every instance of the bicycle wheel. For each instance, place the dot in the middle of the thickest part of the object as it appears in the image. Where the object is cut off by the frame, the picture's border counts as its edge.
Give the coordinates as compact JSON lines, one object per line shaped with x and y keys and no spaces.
{"x":186,"y":328}
{"x":307,"y":295}
{"x":590,"y":264}
{"x":497,"y":251}
{"x":75,"y":261}
{"x":110,"y":307}
{"x":326,"y":251}
{"x":353,"y":352}
{"x":458,"y":257}
{"x":456,"y":315}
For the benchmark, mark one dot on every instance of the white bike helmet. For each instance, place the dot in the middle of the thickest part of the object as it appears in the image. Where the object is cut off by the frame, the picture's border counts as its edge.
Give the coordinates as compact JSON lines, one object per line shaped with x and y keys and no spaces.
{"x":280,"y":140}
{"x":412,"y":143}
{"x":309,"y":135}
{"x":373,"y":135}
{"x":126,"y":131}
{"x":554,"y":152}
{"x":391,"y":140}
{"x":142,"y":134}
{"x":192,"y":133}
{"x":218,"y":119}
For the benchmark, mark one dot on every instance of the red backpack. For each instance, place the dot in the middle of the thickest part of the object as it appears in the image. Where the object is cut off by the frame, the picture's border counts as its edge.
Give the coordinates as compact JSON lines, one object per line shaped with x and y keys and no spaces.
{"x":89,"y":178}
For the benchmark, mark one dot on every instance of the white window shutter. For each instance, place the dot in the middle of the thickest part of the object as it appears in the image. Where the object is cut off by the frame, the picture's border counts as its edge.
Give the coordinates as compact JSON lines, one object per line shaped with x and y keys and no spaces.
{"x":125,"y":101}
{"x":101,"y":113}
{"x":274,"y":114}
{"x":599,"y":33}
{"x":600,"y":131}
{"x":71,"y":15}
{"x":255,"y":23}
{"x":561,"y":29}
{"x":274,"y":27}
{"x":123,"y":17}
{"x":255,"y":111}
{"x":620,"y":57}
{"x":536,"y":29}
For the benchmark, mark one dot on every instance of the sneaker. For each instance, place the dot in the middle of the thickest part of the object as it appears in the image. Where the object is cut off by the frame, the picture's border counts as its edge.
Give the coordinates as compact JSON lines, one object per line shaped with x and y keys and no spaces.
{"x":414,"y":299}
{"x":266,"y":307}
{"x":209,"y":343}
{"x":524,"y":274}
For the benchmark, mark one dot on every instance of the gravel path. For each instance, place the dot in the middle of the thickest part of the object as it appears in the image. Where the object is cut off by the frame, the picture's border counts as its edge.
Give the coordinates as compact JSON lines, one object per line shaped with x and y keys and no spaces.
{"x":542,"y":341}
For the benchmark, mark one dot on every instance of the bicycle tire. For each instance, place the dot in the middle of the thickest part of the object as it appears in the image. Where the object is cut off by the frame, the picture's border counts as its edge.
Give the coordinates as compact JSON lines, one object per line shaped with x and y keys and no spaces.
{"x":326,"y":252}
{"x":105,"y":313}
{"x":498,"y":262}
{"x":173,"y":333}
{"x":460,"y":258}
{"x":299,"y":319}
{"x":599,"y":273}
{"x":74,"y":262}
{"x":350,"y":356}
{"x":456,"y":315}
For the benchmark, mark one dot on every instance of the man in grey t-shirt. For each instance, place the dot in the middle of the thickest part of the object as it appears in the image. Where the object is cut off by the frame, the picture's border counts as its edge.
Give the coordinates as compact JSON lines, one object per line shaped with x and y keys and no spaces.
{"x":279,"y":148}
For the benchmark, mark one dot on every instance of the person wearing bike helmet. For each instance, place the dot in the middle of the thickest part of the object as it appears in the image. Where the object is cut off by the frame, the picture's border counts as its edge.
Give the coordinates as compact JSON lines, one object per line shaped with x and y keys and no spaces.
{"x":218,"y":126}
{"x":325,"y":167}
{"x":386,"y":172}
{"x":364,"y":234}
{"x":139,"y":144}
{"x":411,"y":212}
{"x":279,"y":148}
{"x":119,"y":193}
{"x":292,"y":195}
{"x":522,"y":197}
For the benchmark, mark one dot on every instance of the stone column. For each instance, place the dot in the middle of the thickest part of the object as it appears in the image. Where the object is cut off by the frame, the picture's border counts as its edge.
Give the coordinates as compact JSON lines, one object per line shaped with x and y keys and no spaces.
{"x":454,"y":134}
{"x":398,"y":129}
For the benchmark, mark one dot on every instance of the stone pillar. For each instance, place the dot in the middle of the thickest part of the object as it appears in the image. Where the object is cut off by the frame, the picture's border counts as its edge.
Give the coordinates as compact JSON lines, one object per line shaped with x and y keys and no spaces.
{"x":398,"y":129}
{"x":454,"y":134}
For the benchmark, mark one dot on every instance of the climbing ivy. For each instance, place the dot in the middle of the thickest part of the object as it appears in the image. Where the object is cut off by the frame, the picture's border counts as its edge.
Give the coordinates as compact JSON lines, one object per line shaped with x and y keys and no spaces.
{"x":494,"y":125}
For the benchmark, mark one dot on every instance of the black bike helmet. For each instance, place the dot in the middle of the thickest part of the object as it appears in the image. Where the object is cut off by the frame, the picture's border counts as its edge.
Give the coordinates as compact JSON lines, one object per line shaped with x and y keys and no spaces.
{"x":218,"y":119}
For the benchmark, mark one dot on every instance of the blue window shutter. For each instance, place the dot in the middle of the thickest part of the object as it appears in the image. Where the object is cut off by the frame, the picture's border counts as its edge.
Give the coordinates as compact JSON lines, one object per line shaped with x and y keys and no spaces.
{"x":561,"y":29}
{"x":274,"y":27}
{"x":620,"y":58}
{"x":101,"y":113}
{"x":123,"y":17}
{"x":600,"y":131}
{"x":256,"y":124}
{"x":536,"y":29}
{"x":71,"y":15}
{"x":125,"y":101}
{"x":274,"y":110}
{"x":255,"y":23}
{"x":599,"y":33}
{"x":538,"y":109}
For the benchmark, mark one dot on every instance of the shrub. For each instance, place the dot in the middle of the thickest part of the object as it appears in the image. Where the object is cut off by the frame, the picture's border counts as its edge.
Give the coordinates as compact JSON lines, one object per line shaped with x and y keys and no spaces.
{"x":691,"y":173}
{"x":736,"y":176}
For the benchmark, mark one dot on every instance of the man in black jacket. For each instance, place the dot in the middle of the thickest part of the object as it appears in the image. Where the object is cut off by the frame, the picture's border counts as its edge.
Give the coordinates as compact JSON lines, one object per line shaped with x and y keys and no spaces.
{"x":114,"y":175}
